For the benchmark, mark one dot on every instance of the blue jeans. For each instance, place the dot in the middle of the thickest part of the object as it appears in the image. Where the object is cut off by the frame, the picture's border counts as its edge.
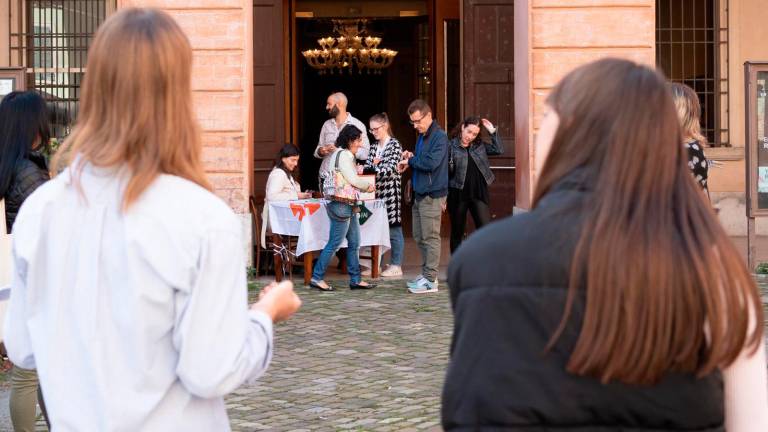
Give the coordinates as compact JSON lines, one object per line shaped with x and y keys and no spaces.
{"x":344,"y":223}
{"x":397,"y":242}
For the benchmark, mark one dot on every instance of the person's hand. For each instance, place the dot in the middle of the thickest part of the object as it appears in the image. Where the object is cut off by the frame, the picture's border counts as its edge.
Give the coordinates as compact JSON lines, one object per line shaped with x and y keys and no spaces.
{"x":326,"y":149}
{"x":407,"y":155}
{"x":360,"y":169}
{"x":278,"y":301}
{"x":305,"y":195}
{"x":376,"y":161}
{"x":402,"y":166}
{"x":371,"y":188}
{"x":488,"y":125}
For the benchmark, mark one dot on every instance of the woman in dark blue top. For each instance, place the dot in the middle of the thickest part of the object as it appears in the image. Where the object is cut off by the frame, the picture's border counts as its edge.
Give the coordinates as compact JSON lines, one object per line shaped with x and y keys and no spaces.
{"x":470,"y":174}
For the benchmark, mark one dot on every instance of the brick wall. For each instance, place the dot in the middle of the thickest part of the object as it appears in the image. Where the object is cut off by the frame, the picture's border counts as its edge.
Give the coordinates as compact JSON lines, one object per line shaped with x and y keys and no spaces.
{"x":562,"y":35}
{"x":221,"y":81}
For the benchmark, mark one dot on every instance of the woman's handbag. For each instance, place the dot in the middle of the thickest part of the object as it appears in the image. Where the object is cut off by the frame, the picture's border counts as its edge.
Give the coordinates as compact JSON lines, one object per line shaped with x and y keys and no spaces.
{"x":6,"y":267}
{"x":337,"y":188}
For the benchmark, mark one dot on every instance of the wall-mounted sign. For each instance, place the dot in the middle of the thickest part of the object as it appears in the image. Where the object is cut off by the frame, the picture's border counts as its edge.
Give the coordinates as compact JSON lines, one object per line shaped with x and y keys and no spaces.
{"x":756,"y":88}
{"x":11,"y":79}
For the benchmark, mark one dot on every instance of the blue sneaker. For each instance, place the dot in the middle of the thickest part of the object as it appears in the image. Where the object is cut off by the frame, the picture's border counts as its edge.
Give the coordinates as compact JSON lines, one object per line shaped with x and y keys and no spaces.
{"x":423,"y":286}
{"x":414,"y":282}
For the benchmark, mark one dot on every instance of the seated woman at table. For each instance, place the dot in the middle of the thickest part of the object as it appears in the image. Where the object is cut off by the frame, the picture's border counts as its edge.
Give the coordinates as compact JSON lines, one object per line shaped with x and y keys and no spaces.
{"x":343,"y":216}
{"x":281,"y":186}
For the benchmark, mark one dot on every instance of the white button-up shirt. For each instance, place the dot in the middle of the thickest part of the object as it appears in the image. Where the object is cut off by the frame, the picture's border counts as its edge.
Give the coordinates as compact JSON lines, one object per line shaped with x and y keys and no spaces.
{"x":135,"y":320}
{"x":329,"y":133}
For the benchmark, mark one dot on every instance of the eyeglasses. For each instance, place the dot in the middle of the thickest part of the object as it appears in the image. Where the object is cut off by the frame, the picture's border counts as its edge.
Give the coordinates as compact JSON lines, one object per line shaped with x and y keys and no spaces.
{"x":374,"y":129}
{"x":413,"y":122}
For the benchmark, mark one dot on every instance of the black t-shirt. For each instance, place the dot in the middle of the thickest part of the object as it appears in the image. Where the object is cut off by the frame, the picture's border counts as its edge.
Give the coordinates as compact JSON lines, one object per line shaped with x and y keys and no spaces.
{"x":475,"y":187}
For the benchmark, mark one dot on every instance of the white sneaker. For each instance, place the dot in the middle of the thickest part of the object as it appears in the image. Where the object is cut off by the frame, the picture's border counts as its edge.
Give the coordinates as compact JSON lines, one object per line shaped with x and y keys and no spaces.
{"x":392,"y":271}
{"x":423,"y":286}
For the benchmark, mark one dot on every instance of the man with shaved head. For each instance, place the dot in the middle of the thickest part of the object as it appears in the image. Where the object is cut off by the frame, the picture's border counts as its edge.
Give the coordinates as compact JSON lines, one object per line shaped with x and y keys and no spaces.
{"x":336,"y":105}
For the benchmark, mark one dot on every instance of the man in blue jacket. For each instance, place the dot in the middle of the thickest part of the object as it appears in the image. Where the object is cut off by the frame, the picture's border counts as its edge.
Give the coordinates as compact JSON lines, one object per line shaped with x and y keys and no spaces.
{"x":430,"y":188}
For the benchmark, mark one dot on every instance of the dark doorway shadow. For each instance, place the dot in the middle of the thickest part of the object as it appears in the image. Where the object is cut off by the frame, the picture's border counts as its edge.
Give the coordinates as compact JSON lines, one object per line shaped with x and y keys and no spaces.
{"x":368,"y":94}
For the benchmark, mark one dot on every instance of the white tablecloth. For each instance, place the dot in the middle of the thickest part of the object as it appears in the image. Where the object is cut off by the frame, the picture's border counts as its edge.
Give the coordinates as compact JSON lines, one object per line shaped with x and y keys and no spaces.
{"x":308,"y":220}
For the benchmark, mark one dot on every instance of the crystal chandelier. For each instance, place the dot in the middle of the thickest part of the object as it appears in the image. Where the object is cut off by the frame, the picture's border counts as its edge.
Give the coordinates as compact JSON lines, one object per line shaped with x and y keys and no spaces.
{"x":352,"y":49}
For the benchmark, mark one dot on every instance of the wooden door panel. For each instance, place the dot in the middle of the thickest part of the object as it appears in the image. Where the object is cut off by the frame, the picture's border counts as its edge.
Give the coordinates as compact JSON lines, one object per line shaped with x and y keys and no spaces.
{"x":269,"y":28}
{"x":488,"y":72}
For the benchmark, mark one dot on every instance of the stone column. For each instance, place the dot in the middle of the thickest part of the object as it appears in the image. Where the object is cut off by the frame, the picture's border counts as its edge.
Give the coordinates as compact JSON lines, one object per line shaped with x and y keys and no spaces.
{"x":552,"y":37}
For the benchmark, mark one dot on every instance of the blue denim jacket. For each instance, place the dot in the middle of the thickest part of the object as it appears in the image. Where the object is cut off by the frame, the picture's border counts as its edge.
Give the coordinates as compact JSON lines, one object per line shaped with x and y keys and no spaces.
{"x":479,"y":151}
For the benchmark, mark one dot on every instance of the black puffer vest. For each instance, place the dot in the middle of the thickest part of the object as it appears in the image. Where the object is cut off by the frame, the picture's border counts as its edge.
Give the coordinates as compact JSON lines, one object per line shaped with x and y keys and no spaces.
{"x":508,"y":287}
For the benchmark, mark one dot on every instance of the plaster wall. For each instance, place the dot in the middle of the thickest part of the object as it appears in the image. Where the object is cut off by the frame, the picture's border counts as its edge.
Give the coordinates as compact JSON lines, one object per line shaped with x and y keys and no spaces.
{"x":747,"y":36}
{"x":562,"y":35}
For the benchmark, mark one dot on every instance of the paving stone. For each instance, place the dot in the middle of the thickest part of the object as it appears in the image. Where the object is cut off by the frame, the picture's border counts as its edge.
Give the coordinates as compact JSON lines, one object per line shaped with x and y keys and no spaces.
{"x":353,"y":360}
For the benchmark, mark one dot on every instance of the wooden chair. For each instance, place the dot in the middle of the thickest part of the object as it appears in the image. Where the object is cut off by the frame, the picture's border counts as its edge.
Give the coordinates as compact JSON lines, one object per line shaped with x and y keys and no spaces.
{"x":256,"y":222}
{"x":271,"y":241}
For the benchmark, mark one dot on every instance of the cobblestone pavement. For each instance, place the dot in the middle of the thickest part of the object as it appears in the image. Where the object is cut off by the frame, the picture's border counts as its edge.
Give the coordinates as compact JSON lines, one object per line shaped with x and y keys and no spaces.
{"x":353,"y":360}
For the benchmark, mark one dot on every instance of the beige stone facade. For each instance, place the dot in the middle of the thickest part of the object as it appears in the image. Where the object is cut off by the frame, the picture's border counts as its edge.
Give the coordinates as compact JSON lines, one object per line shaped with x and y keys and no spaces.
{"x":562,"y":35}
{"x":219,"y":33}
{"x":551,"y":37}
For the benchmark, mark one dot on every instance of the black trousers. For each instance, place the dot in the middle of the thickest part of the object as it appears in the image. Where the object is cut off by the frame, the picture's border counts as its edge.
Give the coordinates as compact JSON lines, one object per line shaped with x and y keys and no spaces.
{"x":457,"y":211}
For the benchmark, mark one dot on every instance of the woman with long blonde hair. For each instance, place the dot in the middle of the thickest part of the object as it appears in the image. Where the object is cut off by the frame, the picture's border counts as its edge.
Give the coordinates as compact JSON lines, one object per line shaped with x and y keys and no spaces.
{"x":130,"y":294}
{"x":618,"y":303}
{"x":689,"y":113}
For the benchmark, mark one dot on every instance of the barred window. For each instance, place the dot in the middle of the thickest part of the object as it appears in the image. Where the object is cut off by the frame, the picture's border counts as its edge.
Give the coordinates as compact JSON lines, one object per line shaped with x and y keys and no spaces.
{"x":691,"y":48}
{"x":51,"y":40}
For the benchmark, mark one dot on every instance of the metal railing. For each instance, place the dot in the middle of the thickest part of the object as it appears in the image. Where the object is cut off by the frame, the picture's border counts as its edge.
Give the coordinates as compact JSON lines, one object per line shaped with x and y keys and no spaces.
{"x":691,"y":48}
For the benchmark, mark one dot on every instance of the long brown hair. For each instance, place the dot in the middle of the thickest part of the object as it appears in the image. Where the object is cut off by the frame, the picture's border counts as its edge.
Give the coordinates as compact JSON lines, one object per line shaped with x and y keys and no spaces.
{"x":688,"y":112}
{"x":136,"y":106}
{"x":665,"y":288}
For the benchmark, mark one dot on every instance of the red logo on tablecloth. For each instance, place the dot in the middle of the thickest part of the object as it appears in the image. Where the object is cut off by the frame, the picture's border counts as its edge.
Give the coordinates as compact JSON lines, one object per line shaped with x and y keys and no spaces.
{"x":298,"y":209}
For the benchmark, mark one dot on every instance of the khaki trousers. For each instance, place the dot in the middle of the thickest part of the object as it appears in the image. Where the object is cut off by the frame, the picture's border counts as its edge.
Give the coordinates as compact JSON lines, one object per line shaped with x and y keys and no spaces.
{"x":427,"y":213}
{"x":23,"y":399}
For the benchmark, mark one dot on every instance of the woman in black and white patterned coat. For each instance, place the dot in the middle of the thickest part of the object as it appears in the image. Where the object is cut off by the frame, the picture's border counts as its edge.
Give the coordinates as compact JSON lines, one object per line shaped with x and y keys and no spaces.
{"x":689,"y":114}
{"x":383,"y":157}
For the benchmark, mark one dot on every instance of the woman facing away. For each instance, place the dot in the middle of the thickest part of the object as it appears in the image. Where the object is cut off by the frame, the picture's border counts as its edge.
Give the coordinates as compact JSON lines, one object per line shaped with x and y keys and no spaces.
{"x":24,"y":132}
{"x":343,"y":215}
{"x":281,"y":186}
{"x":618,"y":302}
{"x":689,"y":114}
{"x":470,"y":175}
{"x":382,"y":160}
{"x":129,"y":295}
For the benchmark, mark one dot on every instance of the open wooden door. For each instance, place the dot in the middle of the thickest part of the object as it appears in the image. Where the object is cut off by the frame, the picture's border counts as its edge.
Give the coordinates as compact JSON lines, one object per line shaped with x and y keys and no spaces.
{"x":269,"y":28}
{"x":488,"y":86}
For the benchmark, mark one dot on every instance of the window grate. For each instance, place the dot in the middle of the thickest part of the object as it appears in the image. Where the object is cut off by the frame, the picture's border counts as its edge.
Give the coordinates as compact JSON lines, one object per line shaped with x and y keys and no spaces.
{"x":50,"y":38}
{"x":691,"y":48}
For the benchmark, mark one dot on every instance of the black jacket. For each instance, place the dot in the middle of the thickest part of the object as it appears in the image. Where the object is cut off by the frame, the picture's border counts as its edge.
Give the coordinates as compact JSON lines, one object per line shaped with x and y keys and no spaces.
{"x":28,"y":176}
{"x":508,"y":287}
